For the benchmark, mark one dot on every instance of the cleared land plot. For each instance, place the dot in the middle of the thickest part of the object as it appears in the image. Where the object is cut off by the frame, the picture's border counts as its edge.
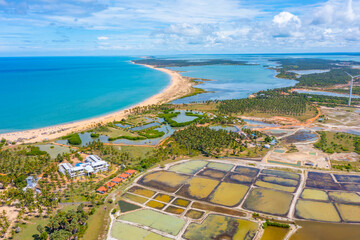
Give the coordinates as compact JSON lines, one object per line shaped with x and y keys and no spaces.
{"x":190,"y":167}
{"x":344,"y":197}
{"x":220,"y":166}
{"x":198,"y":188}
{"x":229,"y":194}
{"x":212,"y":173}
{"x":163,"y":198}
{"x":274,"y":233}
{"x":321,"y":181}
{"x":164,"y":180}
{"x":155,"y":204}
{"x":313,"y":210}
{"x":127,"y":207}
{"x":174,"y":210}
{"x":123,"y":231}
{"x":239,"y":178}
{"x":247,"y":171}
{"x":314,"y":194}
{"x":347,"y":178}
{"x":141,"y":191}
{"x":155,"y":220}
{"x":221,"y":227}
{"x":348,"y":212}
{"x":194,"y":214}
{"x":282,"y":174}
{"x":135,"y":198}
{"x":268,"y":201}
{"x":181,"y":202}
{"x":274,"y":186}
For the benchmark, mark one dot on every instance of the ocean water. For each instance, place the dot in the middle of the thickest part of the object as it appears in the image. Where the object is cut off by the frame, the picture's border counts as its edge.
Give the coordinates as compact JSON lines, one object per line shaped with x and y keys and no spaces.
{"x":43,"y":91}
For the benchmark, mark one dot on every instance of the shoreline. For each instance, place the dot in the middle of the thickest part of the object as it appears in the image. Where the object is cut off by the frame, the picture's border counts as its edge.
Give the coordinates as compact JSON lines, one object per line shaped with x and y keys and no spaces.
{"x":179,"y":86}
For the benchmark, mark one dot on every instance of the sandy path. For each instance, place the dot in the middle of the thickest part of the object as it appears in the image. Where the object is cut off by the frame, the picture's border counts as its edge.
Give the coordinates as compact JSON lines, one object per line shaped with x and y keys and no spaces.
{"x":178,"y":87}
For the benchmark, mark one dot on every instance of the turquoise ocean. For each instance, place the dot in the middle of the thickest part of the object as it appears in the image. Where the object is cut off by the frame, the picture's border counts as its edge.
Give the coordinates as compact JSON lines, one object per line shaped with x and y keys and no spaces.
{"x":43,"y":91}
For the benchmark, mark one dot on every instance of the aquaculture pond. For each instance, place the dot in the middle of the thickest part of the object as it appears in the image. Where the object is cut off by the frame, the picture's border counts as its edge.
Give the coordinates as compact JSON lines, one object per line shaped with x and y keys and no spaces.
{"x":220,"y":166}
{"x":274,"y":233}
{"x":325,"y":231}
{"x":162,"y":222}
{"x":229,"y":194}
{"x":123,"y":231}
{"x":198,"y":188}
{"x":221,"y":227}
{"x":315,"y":210}
{"x":314,"y":194}
{"x":164,"y":180}
{"x":301,"y":136}
{"x":212,"y":173}
{"x":127,"y":207}
{"x":349,"y":212}
{"x":189,"y":167}
{"x":268,"y":201}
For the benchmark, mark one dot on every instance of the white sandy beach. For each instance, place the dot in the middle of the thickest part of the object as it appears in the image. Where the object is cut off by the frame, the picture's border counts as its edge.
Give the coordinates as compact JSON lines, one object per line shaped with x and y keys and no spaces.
{"x":178,"y":87}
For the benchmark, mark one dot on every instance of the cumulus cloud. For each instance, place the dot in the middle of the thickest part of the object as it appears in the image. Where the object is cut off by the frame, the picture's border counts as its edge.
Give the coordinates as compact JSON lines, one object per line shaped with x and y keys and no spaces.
{"x":285,"y":19}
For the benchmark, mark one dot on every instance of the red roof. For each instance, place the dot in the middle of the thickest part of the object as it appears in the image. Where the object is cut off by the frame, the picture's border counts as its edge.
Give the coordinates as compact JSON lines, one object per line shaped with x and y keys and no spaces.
{"x":101,"y":189}
{"x":110,"y":184}
{"x":123,"y":175}
{"x":131,"y":171}
{"x":117,"y":180}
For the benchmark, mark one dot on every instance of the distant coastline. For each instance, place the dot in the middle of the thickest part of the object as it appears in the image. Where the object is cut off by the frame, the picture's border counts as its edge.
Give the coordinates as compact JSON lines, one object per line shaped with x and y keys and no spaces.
{"x":179,"y":86}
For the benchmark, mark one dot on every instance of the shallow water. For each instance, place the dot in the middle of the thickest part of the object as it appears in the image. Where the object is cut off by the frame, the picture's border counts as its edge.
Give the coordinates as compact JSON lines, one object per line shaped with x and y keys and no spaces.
{"x":326,"y":93}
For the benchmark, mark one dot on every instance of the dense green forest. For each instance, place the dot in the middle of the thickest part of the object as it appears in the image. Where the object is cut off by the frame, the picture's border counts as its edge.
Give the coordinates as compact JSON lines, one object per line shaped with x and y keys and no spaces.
{"x":274,"y":104}
{"x":335,"y":76}
{"x":310,"y":63}
{"x":208,"y":141}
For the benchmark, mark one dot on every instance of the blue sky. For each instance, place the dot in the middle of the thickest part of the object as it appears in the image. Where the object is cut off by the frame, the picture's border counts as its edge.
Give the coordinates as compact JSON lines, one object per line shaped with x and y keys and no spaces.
{"x":143,"y":27}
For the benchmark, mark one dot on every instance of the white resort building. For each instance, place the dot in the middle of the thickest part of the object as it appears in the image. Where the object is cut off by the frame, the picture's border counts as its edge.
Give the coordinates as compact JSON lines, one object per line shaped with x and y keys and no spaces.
{"x":92,"y":164}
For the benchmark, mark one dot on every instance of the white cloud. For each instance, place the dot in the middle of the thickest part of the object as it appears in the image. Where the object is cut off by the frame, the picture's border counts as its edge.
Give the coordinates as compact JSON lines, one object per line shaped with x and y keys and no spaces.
{"x":3,"y":3}
{"x":285,"y":19}
{"x":102,"y":38}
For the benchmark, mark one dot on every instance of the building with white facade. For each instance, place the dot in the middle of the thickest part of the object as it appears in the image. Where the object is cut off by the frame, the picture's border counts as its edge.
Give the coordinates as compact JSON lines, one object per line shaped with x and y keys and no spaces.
{"x":92,"y":164}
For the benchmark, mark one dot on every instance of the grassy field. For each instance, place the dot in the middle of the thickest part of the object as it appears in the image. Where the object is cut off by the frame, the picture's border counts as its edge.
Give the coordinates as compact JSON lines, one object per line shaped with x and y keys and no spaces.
{"x":97,"y":222}
{"x":204,"y":107}
{"x":135,"y":151}
{"x":116,"y":132}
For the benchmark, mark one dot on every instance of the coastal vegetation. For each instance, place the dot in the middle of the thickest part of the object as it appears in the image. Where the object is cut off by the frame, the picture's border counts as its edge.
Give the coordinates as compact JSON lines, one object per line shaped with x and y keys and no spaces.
{"x":185,"y":63}
{"x":331,"y":142}
{"x":73,"y":139}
